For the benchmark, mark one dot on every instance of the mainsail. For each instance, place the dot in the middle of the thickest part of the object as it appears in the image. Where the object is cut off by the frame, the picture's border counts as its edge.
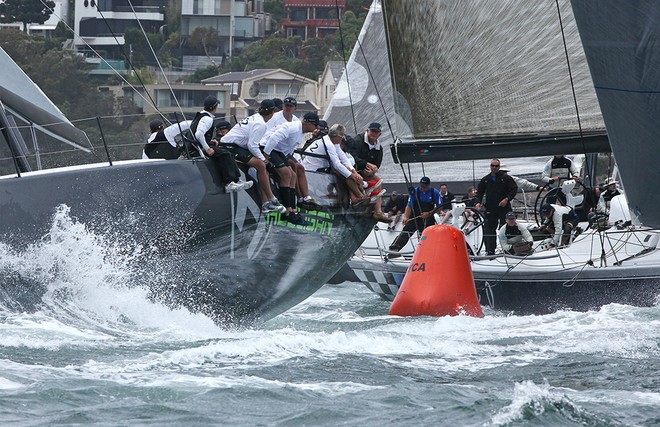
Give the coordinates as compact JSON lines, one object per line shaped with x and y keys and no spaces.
{"x":483,"y":78}
{"x":26,"y":102}
{"x":622,"y":44}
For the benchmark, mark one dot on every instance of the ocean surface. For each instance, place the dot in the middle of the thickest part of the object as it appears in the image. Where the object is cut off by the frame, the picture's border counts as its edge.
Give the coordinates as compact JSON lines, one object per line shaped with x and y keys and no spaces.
{"x":96,"y":352}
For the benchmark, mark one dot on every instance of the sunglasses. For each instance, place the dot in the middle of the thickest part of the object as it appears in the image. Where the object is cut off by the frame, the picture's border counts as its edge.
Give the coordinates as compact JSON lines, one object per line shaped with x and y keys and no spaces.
{"x":494,"y":166}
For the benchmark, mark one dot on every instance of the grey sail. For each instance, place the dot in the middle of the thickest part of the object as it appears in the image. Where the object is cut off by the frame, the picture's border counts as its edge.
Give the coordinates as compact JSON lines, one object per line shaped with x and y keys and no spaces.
{"x":622,"y":44}
{"x":27,"y":103}
{"x":477,"y":78}
{"x":364,"y":92}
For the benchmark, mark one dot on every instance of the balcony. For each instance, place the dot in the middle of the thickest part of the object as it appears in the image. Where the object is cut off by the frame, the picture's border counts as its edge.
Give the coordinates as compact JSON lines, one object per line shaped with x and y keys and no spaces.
{"x":333,"y":23}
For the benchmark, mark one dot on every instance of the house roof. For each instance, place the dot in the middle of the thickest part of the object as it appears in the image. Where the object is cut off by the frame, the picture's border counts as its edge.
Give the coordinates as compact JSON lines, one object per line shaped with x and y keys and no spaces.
{"x":241,"y":76}
{"x":238,"y":76}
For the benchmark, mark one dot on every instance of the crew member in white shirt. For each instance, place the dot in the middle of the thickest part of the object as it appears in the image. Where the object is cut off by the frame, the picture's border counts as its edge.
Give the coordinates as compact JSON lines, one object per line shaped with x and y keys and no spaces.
{"x":155,"y":147}
{"x":280,"y":145}
{"x":202,"y":127}
{"x":244,"y":145}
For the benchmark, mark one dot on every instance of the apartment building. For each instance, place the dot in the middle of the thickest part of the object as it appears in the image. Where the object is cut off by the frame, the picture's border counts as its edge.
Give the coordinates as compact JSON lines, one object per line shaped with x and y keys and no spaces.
{"x":237,"y":23}
{"x":100,"y":24}
{"x":312,"y":18}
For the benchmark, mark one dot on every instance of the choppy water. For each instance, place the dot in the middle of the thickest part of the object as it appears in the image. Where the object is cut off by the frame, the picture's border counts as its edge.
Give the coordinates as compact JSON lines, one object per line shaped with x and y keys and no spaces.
{"x":98,"y":353}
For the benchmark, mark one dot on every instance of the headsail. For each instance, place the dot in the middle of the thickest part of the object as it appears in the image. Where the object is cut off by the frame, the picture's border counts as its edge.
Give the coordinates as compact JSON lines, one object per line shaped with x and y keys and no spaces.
{"x":364,"y":92}
{"x":24,"y":100}
{"x":622,"y":44}
{"x":482,"y":78}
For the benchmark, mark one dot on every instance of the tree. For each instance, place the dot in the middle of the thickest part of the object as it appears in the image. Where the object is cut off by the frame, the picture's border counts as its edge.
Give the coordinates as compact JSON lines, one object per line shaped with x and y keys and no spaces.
{"x":26,"y":11}
{"x":358,"y":7}
{"x":206,"y":39}
{"x":276,"y":10}
{"x":204,"y":73}
{"x":351,"y":26}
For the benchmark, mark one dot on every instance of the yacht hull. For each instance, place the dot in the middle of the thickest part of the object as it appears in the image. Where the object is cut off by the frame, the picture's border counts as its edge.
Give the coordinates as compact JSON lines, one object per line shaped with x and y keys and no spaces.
{"x":199,"y":247}
{"x":570,"y":279}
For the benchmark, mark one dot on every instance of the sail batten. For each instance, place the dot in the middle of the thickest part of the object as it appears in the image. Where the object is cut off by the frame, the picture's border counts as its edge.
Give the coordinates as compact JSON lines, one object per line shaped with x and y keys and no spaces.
{"x":488,"y":68}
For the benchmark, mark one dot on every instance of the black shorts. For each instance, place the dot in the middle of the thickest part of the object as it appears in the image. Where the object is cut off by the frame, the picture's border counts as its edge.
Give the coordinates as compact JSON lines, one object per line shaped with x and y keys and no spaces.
{"x":278,"y":159}
{"x":240,"y":154}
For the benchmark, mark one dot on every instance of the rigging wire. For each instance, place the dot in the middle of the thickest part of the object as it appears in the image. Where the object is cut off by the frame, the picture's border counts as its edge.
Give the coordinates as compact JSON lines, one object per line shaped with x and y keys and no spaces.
{"x":130,"y":3}
{"x":130,"y":63}
{"x":577,"y":110}
{"x":148,"y":101}
{"x":343,"y":54}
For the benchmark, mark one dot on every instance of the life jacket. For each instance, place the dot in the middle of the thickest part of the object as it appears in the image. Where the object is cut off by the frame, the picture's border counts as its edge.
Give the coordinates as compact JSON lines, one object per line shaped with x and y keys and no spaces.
{"x":561,"y":167}
{"x":608,"y":196}
{"x":189,"y":139}
{"x":510,"y":231}
{"x":160,"y":148}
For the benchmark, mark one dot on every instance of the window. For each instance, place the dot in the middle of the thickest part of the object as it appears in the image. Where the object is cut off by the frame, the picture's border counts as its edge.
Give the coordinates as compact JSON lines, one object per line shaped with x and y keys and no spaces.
{"x":292,"y":32}
{"x":298,"y":15}
{"x":198,"y":7}
{"x":325,"y":13}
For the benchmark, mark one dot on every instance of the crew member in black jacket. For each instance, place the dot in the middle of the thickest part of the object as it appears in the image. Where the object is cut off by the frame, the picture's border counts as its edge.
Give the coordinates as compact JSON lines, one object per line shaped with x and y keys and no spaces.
{"x":499,"y":189}
{"x":367,"y":148}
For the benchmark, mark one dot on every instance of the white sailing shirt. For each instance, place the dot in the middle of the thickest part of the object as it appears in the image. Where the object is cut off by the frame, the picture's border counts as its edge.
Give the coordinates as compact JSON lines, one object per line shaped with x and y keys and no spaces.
{"x":285,"y":138}
{"x":247,"y":134}
{"x":336,"y":157}
{"x":275,"y":121}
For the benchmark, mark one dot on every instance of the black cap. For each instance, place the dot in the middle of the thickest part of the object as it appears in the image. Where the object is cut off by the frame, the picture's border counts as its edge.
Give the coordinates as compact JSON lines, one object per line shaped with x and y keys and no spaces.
{"x":510,"y":214}
{"x":278,"y":103}
{"x":267,"y":105}
{"x":425,"y":180}
{"x":210,"y":102}
{"x":546,"y":208}
{"x":155,"y":124}
{"x":290,"y":100}
{"x":323,"y":125}
{"x":223,"y":125}
{"x":375,"y":126}
{"x":311,"y":117}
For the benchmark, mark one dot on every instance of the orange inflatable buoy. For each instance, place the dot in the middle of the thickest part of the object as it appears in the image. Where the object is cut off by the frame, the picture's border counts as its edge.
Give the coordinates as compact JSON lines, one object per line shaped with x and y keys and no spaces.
{"x":439,"y":281}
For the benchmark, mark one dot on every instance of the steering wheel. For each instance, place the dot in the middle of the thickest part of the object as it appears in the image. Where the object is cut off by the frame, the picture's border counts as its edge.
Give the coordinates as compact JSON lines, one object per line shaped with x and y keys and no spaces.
{"x":551,"y":194}
{"x":473,"y":221}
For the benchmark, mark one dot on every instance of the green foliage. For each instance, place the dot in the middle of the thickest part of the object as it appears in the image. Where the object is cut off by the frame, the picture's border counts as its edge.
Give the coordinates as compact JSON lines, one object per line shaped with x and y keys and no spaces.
{"x":141,"y":76}
{"x":173,"y":16}
{"x":350,"y":29}
{"x":62,"y":32}
{"x":359,"y":8}
{"x":204,"y":73}
{"x":26,"y":11}
{"x":141,"y":54}
{"x":276,"y":10}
